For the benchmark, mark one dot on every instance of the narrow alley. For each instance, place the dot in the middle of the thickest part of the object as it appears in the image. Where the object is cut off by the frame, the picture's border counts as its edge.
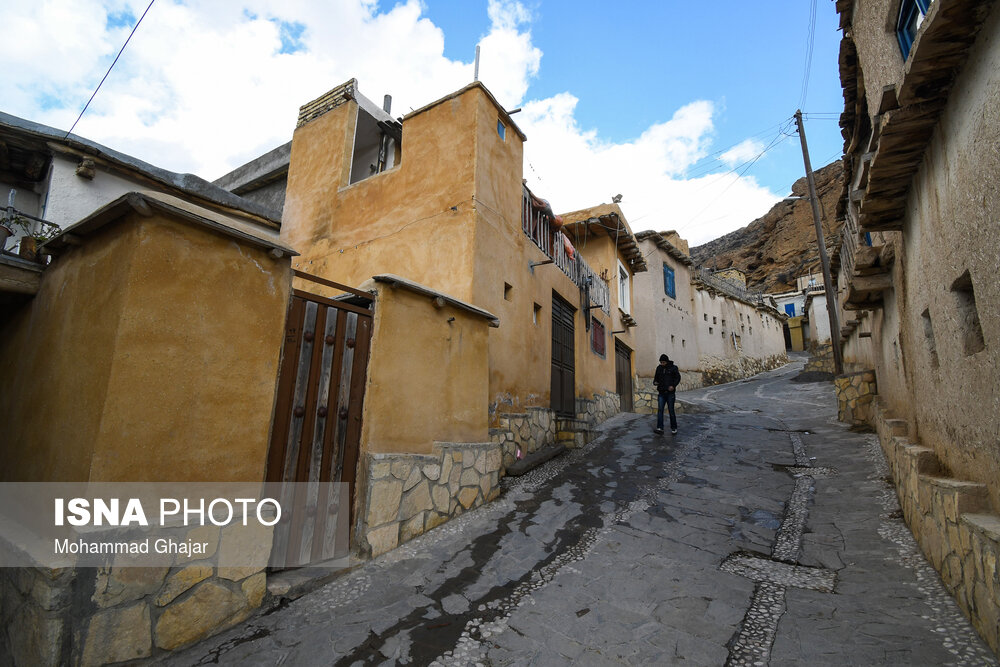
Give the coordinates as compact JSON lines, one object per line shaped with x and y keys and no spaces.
{"x":764,"y":532}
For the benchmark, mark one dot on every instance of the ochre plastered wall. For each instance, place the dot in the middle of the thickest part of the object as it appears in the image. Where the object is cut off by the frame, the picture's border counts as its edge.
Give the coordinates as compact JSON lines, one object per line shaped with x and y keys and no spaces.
{"x":400,"y":221}
{"x":403,"y":222}
{"x":56,"y":354}
{"x":427,"y":376}
{"x":151,"y":355}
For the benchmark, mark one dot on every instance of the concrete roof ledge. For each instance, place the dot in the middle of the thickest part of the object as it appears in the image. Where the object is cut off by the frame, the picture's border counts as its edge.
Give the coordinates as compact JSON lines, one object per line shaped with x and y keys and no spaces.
{"x":416,"y":288}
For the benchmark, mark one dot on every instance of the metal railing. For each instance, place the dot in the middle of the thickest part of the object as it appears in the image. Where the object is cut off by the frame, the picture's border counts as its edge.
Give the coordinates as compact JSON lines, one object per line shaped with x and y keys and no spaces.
{"x":537,"y":227}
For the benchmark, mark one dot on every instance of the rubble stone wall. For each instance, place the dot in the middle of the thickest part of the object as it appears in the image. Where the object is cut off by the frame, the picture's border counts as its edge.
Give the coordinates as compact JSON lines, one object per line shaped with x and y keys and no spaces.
{"x":409,"y":494}
{"x":951,"y":521}
{"x":820,"y":359}
{"x":855,"y":395}
{"x":96,"y":616}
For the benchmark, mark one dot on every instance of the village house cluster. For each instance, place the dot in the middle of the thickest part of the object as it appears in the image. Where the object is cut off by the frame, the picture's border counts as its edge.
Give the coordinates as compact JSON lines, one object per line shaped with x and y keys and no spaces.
{"x":382,"y":302}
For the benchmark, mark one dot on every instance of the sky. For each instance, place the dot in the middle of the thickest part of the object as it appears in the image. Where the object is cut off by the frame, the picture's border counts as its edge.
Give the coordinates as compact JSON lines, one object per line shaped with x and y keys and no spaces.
{"x":685,"y":109}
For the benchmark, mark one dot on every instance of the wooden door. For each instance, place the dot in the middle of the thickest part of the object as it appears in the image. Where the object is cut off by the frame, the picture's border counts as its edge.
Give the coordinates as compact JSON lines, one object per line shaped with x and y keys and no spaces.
{"x":623,"y":375}
{"x":317,"y":427}
{"x":563,"y":393}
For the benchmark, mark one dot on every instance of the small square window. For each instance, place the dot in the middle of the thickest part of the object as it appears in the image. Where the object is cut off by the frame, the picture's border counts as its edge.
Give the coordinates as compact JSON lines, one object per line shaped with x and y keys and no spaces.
{"x":501,"y":130}
{"x":507,"y":289}
{"x":534,"y":313}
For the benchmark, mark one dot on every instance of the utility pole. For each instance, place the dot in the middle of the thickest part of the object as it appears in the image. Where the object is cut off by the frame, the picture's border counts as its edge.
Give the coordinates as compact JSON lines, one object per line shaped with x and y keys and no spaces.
{"x":831,"y":298}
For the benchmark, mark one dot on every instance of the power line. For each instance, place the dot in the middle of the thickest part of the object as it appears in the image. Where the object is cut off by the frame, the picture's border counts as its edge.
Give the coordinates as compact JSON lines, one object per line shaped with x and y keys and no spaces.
{"x":810,"y":42}
{"x":84,"y":110}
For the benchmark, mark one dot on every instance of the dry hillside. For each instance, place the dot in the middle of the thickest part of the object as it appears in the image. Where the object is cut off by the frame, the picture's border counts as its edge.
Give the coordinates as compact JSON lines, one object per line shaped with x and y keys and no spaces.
{"x":774,"y":249}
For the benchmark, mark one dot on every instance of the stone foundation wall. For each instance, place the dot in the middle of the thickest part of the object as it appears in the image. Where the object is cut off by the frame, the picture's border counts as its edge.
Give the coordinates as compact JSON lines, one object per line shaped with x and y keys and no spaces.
{"x":855,"y":395}
{"x":596,"y":410}
{"x":97,"y":616}
{"x":714,"y":371}
{"x":820,"y":359}
{"x":409,"y":494}
{"x":951,"y":521}
{"x":526,"y":431}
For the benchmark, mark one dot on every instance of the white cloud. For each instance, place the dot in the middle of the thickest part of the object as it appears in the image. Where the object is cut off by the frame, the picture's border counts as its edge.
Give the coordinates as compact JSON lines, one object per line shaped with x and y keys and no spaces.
{"x":203,"y":87}
{"x":742,"y":152}
{"x":573,"y":168}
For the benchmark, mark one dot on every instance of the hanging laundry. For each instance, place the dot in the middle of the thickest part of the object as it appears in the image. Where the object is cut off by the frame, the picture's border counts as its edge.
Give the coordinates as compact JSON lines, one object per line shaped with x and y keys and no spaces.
{"x":570,"y":250}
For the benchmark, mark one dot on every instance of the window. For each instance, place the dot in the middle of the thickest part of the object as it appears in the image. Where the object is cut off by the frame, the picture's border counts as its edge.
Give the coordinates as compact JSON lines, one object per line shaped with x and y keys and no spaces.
{"x":713,"y":320}
{"x":507,"y":287}
{"x":911,"y":15}
{"x":534,"y":313}
{"x":711,"y":330}
{"x":790,"y":309}
{"x":501,"y":130}
{"x":624,"y":294}
{"x":705,"y":316}
{"x":968,"y":315}
{"x":597,"y":337}
{"x":668,"y":281}
{"x":929,"y":337}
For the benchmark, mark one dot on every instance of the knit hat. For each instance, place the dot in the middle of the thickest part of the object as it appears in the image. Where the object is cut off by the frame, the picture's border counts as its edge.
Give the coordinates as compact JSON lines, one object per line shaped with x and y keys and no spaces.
{"x":664,"y":357}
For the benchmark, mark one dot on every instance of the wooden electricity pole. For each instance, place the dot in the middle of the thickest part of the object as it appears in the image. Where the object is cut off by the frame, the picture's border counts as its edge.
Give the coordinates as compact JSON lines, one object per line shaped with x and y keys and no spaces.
{"x":831,"y":298}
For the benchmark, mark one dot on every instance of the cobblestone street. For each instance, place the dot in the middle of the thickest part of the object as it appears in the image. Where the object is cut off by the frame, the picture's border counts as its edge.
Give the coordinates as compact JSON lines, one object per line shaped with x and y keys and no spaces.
{"x":764,"y":532}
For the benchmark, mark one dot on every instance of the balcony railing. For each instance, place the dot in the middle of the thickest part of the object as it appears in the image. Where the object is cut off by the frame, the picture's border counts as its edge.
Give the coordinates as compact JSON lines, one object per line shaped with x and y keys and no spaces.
{"x":537,"y":227}
{"x":729,"y":287}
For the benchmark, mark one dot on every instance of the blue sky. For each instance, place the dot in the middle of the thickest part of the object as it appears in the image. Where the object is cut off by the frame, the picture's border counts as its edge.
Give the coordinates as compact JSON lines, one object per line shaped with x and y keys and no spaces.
{"x":635,"y":64}
{"x":638,"y":98}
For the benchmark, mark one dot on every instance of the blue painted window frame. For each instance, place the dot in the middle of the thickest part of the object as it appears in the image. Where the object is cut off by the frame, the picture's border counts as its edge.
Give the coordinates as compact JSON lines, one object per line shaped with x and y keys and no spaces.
{"x":910,"y":13}
{"x":669,"y":285}
{"x":790,"y":309}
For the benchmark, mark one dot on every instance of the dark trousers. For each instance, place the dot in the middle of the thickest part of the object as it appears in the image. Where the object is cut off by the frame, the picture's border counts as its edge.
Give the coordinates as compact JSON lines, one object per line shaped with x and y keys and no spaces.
{"x":668,"y":400}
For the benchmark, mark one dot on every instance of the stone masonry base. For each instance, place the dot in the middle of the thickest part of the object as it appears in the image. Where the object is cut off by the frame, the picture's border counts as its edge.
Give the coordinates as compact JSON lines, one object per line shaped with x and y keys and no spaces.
{"x":855,"y":394}
{"x":409,"y":494}
{"x":951,"y":522}
{"x":97,"y":616}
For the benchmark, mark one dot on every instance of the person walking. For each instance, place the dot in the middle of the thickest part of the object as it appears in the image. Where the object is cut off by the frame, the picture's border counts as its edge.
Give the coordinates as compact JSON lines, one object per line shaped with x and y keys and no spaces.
{"x":666,"y":379}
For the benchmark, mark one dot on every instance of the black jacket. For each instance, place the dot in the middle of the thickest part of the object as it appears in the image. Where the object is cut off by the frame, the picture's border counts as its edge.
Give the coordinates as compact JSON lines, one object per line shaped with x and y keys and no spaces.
{"x":667,"y":376}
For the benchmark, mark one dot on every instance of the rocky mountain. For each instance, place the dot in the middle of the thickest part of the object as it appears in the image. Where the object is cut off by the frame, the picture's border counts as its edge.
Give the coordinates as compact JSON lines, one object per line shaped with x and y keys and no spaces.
{"x":781,"y":245}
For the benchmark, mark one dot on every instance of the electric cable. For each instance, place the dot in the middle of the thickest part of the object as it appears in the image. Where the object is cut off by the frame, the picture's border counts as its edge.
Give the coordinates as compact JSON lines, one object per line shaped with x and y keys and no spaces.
{"x":85,"y":106}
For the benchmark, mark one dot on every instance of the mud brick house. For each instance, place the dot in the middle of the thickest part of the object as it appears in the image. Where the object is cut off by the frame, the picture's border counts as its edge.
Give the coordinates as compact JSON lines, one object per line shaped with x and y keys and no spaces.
{"x":499,"y":327}
{"x":710,"y":325}
{"x":917,"y":272}
{"x":144,"y":350}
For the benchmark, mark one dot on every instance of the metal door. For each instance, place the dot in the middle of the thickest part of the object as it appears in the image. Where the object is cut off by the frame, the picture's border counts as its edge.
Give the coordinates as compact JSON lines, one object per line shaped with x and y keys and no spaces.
{"x":317,"y":426}
{"x":623,"y":375}
{"x":563,"y":396}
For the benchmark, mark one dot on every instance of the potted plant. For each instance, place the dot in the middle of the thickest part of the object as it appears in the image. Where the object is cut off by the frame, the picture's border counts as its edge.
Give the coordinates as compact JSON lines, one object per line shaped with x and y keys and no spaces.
{"x":33,"y":236}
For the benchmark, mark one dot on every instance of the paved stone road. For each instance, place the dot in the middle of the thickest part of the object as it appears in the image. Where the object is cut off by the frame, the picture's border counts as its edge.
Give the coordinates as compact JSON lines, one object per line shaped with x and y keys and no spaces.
{"x":764,"y":532}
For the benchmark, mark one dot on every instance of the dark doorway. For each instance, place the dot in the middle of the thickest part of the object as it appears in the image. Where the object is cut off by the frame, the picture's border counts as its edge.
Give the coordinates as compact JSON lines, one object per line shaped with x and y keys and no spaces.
{"x":623,"y":375}
{"x":563,"y":396}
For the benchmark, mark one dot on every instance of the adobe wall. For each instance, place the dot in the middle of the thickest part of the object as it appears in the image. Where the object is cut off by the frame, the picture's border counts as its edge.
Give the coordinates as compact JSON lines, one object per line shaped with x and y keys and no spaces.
{"x":666,"y":325}
{"x":951,"y":228}
{"x":416,"y":219}
{"x":149,"y":354}
{"x":427,"y":377}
